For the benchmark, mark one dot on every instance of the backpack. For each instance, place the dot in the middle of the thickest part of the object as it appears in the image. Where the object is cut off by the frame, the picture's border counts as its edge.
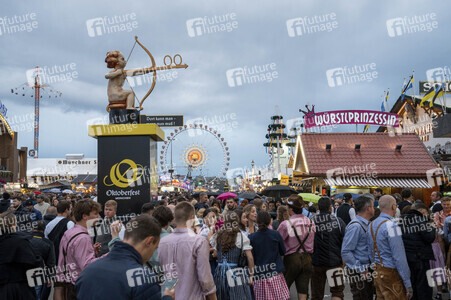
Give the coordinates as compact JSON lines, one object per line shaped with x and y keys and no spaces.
{"x":57,"y":234}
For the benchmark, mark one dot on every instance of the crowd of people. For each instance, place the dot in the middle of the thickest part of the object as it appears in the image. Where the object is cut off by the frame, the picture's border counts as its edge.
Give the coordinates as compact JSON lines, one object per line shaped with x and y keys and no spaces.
{"x":181,"y":247}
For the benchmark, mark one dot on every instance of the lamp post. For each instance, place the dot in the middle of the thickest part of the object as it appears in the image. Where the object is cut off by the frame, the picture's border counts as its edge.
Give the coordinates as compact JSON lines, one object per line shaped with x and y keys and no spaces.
{"x":252,"y":172}
{"x":171,"y":170}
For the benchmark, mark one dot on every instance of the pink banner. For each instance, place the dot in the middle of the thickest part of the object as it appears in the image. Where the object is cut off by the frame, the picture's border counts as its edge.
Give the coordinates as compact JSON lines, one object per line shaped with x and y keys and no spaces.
{"x":346,"y":117}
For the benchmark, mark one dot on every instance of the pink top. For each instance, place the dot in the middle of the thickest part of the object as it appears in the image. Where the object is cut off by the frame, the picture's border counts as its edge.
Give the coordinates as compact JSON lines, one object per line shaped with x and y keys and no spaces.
{"x":190,"y":255}
{"x":80,"y":253}
{"x":439,"y":218}
{"x":219,"y":224}
{"x":301,"y":223}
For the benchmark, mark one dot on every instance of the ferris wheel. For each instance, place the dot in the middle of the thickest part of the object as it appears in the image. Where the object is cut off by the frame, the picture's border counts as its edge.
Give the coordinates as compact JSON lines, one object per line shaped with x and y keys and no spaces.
{"x":195,"y":150}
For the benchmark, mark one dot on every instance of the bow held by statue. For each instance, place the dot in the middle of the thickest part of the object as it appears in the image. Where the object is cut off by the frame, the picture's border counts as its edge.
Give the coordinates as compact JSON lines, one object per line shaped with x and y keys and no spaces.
{"x":169,"y":63}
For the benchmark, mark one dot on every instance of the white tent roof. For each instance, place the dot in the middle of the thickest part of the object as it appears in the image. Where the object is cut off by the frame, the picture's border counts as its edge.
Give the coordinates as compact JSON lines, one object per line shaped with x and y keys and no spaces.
{"x":61,"y":167}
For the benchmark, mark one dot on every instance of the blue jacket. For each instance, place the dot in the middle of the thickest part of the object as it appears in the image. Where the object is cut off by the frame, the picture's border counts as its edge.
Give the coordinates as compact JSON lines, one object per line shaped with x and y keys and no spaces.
{"x":446,"y":229}
{"x":118,"y":275}
{"x":267,"y":249}
{"x":36,"y":215}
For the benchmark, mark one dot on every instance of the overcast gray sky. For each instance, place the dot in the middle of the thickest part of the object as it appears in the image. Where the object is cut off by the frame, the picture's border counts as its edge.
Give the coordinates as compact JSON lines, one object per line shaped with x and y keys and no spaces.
{"x":343,"y":34}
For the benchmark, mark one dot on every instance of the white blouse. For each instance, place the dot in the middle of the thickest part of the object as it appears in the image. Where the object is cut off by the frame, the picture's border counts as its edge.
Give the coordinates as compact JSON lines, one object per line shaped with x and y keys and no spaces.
{"x":204,"y":231}
{"x":246,"y":241}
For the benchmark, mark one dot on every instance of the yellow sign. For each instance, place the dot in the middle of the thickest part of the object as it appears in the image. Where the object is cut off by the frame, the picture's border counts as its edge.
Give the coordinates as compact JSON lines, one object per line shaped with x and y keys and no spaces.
{"x":284,"y":180}
{"x":120,"y":179}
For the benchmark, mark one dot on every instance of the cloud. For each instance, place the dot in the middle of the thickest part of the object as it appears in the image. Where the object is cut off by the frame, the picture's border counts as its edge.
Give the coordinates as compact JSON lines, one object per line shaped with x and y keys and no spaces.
{"x":202,"y":89}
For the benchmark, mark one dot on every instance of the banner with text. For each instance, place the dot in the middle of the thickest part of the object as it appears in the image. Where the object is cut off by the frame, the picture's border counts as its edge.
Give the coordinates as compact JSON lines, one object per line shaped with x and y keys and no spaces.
{"x":347,"y":117}
{"x":125,"y":172}
{"x":426,"y":85}
{"x":163,"y":121}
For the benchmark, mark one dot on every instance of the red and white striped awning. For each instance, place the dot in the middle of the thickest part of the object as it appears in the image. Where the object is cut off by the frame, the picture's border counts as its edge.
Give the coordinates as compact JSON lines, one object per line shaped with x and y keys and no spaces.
{"x":379,"y":182}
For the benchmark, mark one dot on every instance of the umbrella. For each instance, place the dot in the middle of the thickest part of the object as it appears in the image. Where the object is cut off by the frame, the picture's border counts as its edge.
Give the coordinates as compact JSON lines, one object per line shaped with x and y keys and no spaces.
{"x":209,"y":193}
{"x":56,"y":191}
{"x":278,"y":191}
{"x":67,"y":192}
{"x":214,"y":193}
{"x":2,"y":181}
{"x":309,"y":197}
{"x":37,"y":192}
{"x":226,"y":196}
{"x":248,"y":196}
{"x":354,"y":196}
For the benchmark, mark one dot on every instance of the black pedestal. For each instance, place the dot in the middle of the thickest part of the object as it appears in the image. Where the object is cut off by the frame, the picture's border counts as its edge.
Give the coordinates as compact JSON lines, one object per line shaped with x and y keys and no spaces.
{"x":125,"y":172}
{"x":127,"y":164}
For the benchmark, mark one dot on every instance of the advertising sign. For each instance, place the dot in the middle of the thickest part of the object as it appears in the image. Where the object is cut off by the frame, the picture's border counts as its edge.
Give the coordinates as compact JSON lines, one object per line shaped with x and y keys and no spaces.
{"x":163,"y":121}
{"x":347,"y":117}
{"x":124,"y":175}
{"x":426,"y":86}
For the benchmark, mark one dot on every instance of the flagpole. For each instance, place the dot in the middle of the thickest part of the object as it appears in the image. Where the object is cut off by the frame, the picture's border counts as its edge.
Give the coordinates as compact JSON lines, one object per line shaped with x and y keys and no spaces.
{"x":444,"y":95}
{"x":413,"y":87}
{"x":386,"y":100}
{"x":402,"y":89}
{"x":383,"y":103}
{"x":441,"y":98}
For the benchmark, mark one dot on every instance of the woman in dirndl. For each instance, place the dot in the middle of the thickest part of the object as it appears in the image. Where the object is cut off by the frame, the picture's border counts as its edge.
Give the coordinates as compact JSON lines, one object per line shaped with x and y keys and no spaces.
{"x":267,"y":250}
{"x":232,"y":279}
{"x":251,"y":214}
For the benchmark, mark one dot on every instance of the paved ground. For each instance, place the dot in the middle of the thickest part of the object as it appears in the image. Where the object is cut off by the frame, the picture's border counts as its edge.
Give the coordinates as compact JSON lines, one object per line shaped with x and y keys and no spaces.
{"x":327,"y":294}
{"x":348,"y":294}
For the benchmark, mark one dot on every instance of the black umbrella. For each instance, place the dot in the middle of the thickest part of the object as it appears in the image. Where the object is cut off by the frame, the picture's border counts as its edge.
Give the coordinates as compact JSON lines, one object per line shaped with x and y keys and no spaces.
{"x":209,"y":193}
{"x":215,"y":193}
{"x":278,"y":191}
{"x":248,"y":196}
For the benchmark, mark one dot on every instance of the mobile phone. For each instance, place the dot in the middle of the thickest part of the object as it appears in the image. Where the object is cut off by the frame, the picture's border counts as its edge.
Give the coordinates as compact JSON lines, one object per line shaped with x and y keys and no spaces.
{"x":169,"y":283}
